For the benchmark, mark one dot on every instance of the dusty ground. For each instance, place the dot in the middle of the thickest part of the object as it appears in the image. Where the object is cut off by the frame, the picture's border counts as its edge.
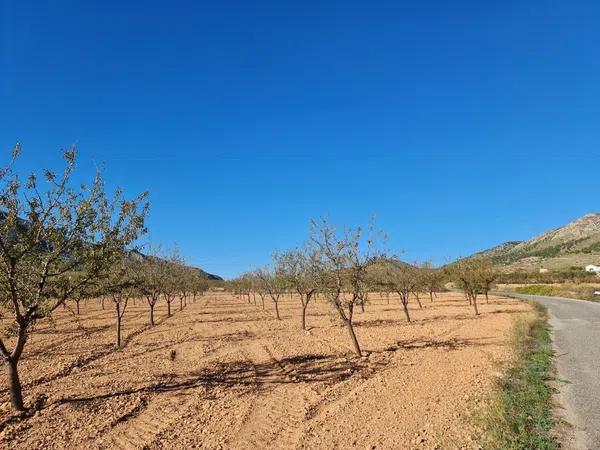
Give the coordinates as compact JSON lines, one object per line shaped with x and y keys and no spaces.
{"x":243,"y":380}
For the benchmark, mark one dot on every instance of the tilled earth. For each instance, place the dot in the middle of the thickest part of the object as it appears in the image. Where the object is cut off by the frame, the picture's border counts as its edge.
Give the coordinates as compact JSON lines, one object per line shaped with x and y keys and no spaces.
{"x":225,"y":374}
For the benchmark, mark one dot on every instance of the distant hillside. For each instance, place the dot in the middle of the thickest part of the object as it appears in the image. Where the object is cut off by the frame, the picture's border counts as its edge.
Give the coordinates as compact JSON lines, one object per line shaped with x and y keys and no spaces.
{"x":498,"y":250}
{"x":574,"y":244}
{"x":209,"y":276}
{"x":22,"y":224}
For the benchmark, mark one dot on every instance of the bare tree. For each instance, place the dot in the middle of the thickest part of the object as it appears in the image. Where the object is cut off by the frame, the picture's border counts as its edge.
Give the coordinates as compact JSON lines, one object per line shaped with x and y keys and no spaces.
{"x":273,"y":284}
{"x":419,"y":284}
{"x":489,"y":275}
{"x":170,"y":286}
{"x":199,"y":286}
{"x":344,"y":259}
{"x":77,"y":299}
{"x":260,"y":289}
{"x":185,"y":284}
{"x":152,"y":273}
{"x":470,"y":275}
{"x":121,"y":284}
{"x":301,"y":270}
{"x":401,"y":278}
{"x":245,"y":285}
{"x":432,"y":279}
{"x":54,"y":241}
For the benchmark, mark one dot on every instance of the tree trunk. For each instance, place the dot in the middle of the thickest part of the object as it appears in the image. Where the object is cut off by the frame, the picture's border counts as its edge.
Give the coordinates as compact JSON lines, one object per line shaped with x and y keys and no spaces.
{"x":77,"y":303}
{"x":487,"y":300}
{"x":418,"y":301}
{"x":277,"y":310}
{"x":475,"y":306}
{"x":405,"y":307}
{"x":16,"y":395}
{"x":262,"y":299}
{"x":152,"y":314}
{"x":102,"y":303}
{"x":118,"y":326}
{"x":362,"y":306}
{"x":303,"y":318}
{"x":388,"y":297}
{"x":431,"y":296}
{"x":180,"y":303}
{"x":350,"y":328}
{"x":168,"y":309}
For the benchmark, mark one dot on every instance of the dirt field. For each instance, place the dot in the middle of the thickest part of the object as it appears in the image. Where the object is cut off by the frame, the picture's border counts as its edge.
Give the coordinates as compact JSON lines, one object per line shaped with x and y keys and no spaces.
{"x":242,"y":380}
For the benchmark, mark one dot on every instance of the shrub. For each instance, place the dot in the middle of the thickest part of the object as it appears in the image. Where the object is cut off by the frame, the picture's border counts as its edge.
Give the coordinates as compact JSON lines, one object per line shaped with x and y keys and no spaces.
{"x":539,"y":289}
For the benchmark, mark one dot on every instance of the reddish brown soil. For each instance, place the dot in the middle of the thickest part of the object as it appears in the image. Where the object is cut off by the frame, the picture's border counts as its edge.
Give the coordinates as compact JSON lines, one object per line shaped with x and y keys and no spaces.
{"x":242,"y":380}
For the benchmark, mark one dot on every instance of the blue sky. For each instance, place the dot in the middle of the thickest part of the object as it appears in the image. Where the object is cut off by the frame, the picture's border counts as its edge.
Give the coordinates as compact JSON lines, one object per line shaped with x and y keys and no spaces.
{"x":460,"y":125}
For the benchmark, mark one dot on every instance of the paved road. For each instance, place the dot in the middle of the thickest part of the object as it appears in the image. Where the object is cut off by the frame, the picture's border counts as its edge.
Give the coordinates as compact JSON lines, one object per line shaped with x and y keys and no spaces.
{"x":576,"y":337}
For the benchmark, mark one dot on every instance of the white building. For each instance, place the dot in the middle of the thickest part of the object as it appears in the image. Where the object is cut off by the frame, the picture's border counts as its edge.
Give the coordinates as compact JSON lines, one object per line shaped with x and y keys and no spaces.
{"x":592,"y":268}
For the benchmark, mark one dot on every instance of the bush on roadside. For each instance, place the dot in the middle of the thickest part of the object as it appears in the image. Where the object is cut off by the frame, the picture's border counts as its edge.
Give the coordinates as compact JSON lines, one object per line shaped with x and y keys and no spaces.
{"x":539,"y":289}
{"x":570,"y":290}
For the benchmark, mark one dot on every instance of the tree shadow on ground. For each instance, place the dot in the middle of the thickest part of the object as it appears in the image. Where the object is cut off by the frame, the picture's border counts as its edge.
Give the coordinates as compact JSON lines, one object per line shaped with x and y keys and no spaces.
{"x":73,"y":334}
{"x":503,"y":311}
{"x":153,"y":347}
{"x":448,"y":344}
{"x":236,"y":320}
{"x":440,"y":317}
{"x":379,"y":322}
{"x":231,"y":312}
{"x":310,"y":368}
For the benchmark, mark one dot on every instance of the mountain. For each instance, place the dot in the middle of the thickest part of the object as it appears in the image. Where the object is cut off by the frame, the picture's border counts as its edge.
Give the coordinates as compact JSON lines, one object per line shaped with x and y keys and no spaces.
{"x":574,"y":244}
{"x":209,"y":276}
{"x":22,"y":225}
{"x":141,"y":256}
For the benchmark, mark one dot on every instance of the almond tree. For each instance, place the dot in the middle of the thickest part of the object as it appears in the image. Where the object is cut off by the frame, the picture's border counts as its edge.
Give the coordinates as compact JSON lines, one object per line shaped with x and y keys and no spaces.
{"x":169,"y":293}
{"x":274,"y":284}
{"x":245,"y":284}
{"x":199,"y":286}
{"x":259,"y":287}
{"x":56,"y":238}
{"x":170,"y":285}
{"x":121,"y":284}
{"x":489,"y":275}
{"x":433,"y":279}
{"x":469,"y":276}
{"x":400,"y":278}
{"x":419,"y":285}
{"x":152,"y":276}
{"x":377,"y":275}
{"x":77,"y":297}
{"x":300,"y":268}
{"x":185,"y":284}
{"x":343,"y":259}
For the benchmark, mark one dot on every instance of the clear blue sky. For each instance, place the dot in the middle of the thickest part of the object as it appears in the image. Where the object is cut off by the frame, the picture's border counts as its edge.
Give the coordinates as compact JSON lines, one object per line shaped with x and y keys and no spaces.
{"x":460,"y":125}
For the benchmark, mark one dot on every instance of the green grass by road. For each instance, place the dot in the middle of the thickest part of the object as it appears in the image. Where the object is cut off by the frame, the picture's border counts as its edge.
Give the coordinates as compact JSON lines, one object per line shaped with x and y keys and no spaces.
{"x":519,"y":413}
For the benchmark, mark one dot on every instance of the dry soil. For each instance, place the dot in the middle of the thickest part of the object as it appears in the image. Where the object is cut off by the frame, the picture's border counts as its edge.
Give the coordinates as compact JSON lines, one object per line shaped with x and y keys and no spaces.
{"x":225,"y":374}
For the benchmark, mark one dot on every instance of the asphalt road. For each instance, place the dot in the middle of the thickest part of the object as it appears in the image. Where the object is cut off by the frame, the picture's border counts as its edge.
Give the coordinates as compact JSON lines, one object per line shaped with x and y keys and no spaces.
{"x":576,"y":337}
